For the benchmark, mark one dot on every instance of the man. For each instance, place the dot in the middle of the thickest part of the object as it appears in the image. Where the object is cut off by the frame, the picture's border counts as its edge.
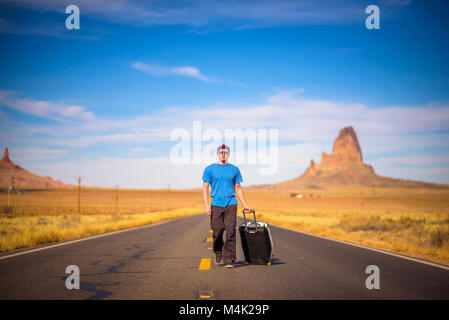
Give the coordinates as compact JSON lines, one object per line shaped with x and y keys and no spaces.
{"x":224,"y":179}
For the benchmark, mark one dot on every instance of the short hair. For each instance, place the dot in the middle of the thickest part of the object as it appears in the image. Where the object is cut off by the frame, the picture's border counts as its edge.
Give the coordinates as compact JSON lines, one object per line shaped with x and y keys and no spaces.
{"x":223,"y":146}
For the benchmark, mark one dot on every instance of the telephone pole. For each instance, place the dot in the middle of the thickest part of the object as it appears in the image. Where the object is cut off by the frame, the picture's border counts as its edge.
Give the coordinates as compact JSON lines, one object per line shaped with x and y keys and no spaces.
{"x":79,"y":195}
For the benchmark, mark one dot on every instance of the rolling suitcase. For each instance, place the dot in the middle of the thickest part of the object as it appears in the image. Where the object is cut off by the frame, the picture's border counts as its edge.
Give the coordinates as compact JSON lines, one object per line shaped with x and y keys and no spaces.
{"x":257,"y":243}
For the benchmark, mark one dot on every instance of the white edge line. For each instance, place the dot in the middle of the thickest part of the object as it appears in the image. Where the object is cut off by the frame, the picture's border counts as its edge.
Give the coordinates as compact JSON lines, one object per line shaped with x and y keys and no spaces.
{"x":441,"y":266}
{"x":88,"y":238}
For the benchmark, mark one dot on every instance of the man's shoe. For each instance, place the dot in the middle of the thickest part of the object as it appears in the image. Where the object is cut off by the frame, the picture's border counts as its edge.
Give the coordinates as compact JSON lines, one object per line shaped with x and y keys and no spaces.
{"x":229,"y":265}
{"x":218,"y":259}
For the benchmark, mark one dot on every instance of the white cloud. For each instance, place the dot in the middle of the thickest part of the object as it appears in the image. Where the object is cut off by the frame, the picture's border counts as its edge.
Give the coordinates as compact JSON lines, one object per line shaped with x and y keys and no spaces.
{"x":231,"y":14}
{"x":140,"y":149}
{"x":298,"y":119}
{"x":308,"y":126}
{"x":414,"y":160}
{"x":101,"y":139}
{"x":190,"y":72}
{"x":45,"y":109}
{"x":157,"y":70}
{"x":25,"y":155}
{"x":158,"y":172}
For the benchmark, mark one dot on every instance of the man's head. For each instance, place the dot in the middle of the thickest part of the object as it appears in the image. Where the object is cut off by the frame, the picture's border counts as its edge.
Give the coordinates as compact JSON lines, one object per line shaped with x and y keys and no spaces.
{"x":223,"y":153}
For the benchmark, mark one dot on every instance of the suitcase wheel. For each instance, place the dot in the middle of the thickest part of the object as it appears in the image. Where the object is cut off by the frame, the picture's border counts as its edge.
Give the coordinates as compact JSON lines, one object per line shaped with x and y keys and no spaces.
{"x":269,"y":263}
{"x":246,"y":262}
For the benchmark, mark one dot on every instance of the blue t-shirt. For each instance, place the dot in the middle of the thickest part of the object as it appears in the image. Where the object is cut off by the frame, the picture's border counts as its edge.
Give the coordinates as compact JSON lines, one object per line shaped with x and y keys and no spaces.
{"x":222,"y":178}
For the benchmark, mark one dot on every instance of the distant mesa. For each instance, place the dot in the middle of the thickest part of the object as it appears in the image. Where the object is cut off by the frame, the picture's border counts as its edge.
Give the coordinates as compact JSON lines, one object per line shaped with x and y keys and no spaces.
{"x":344,"y":166}
{"x":12,"y":173}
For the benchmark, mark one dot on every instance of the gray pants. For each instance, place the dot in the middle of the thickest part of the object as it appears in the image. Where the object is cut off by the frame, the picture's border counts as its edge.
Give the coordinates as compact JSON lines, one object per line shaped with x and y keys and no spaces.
{"x":221,"y":219}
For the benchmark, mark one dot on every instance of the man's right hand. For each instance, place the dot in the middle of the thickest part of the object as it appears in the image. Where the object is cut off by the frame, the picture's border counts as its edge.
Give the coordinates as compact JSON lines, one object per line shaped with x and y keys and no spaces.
{"x":207,"y":211}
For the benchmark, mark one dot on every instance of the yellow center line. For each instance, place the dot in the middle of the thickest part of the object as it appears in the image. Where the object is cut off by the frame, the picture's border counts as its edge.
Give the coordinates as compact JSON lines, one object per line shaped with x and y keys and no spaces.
{"x":206,"y":294}
{"x":204,"y":264}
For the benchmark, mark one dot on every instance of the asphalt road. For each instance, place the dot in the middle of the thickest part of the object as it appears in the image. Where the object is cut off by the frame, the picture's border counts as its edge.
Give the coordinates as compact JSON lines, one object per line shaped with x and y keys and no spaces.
{"x":162,"y":262}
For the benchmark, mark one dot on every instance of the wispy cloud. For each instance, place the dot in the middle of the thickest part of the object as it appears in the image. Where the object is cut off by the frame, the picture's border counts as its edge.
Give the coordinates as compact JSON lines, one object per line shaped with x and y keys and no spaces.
{"x":232,"y":14}
{"x":415,"y":160}
{"x":158,"y":70}
{"x":298,"y":119}
{"x":400,"y":3}
{"x":45,"y":109}
{"x":24,"y":155}
{"x":140,"y":149}
{"x":392,"y":137}
{"x":93,"y":139}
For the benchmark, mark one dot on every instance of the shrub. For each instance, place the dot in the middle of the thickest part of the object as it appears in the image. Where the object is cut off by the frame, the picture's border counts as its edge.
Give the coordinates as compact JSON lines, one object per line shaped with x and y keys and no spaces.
{"x":438,"y":237}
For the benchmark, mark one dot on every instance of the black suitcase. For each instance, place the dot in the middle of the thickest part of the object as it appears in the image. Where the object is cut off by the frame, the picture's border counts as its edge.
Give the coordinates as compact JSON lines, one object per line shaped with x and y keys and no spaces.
{"x":257,"y":243}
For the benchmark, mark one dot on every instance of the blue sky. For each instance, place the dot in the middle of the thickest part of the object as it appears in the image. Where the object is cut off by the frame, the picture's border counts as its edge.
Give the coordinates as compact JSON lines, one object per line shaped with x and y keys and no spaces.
{"x":107,"y":96}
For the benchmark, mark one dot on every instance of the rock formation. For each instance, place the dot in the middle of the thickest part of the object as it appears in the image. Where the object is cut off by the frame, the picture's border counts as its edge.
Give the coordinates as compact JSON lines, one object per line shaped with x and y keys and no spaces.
{"x":11,"y":173}
{"x":5,"y":161}
{"x":344,"y":166}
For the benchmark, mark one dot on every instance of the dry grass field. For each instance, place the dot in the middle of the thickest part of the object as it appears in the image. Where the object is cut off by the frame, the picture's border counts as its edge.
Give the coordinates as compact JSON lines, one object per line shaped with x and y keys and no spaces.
{"x":410,"y":221}
{"x":40,"y":217}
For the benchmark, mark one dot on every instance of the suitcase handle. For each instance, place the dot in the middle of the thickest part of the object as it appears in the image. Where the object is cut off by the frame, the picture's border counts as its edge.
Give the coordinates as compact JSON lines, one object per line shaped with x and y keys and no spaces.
{"x":244,"y":217}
